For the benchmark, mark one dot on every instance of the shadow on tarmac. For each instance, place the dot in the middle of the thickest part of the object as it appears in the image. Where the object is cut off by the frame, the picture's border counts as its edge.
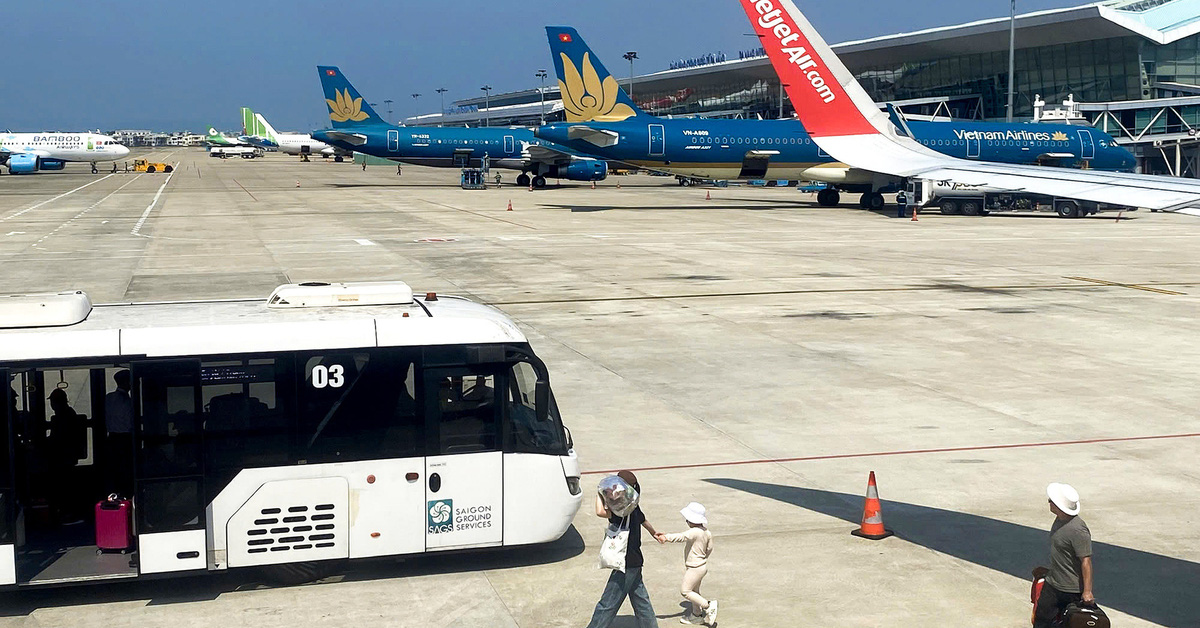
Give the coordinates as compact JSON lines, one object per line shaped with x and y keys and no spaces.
{"x":1153,"y":587}
{"x":205,"y":587}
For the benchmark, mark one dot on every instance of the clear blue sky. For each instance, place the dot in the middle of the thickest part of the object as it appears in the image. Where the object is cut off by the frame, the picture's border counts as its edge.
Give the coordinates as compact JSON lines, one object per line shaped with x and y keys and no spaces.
{"x":174,"y":65}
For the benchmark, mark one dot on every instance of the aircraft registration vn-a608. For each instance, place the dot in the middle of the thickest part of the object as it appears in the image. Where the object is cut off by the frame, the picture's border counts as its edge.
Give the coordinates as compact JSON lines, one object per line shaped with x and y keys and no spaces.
{"x":602,"y":120}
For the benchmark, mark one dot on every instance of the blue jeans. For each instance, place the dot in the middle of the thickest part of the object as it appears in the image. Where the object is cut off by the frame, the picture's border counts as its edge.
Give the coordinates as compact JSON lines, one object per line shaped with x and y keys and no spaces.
{"x":621,"y":586}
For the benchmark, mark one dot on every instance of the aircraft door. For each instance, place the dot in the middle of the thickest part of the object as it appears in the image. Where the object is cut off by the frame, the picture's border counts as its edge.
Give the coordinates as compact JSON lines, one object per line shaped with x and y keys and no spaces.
{"x":510,"y":145}
{"x":393,"y":141}
{"x":464,"y":470}
{"x":1087,"y":145}
{"x":169,"y":500}
{"x":973,"y":147}
{"x":658,"y":140}
{"x":8,"y":508}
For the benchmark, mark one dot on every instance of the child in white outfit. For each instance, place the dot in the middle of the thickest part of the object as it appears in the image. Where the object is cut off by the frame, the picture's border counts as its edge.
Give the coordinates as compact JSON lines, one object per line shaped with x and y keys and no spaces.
{"x":698,"y":547}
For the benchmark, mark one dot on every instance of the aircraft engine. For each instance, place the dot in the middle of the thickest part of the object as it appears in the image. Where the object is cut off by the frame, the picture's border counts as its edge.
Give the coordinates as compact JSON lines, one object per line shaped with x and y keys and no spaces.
{"x":580,"y":170}
{"x":22,"y":163}
{"x":51,"y":164}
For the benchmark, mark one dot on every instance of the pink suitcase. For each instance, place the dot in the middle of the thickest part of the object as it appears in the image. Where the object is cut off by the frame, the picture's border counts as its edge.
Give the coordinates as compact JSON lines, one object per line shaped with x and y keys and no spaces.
{"x":114,"y":525}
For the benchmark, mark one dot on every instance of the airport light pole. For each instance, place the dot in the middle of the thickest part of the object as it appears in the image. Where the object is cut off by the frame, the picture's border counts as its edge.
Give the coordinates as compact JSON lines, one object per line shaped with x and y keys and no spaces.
{"x":388,"y":102}
{"x":630,"y":56}
{"x":542,"y":75}
{"x":442,"y":92}
{"x":1012,"y":46}
{"x":487,"y":105}
{"x":417,"y":104}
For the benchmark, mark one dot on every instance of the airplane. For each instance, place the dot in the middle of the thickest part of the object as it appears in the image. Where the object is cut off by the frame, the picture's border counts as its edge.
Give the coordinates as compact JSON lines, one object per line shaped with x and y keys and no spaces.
{"x":844,"y":121}
{"x":603,"y":121}
{"x":216,"y":138}
{"x":31,"y":152}
{"x":356,"y":127}
{"x":260,"y":133}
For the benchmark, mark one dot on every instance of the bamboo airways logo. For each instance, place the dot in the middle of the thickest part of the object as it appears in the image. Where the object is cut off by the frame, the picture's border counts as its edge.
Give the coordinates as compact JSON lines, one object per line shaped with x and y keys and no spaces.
{"x":772,"y":20}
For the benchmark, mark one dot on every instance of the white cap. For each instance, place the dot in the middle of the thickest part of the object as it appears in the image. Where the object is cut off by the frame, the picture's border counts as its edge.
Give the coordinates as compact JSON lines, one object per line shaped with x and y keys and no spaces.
{"x":1065,"y":497}
{"x":694,"y":513}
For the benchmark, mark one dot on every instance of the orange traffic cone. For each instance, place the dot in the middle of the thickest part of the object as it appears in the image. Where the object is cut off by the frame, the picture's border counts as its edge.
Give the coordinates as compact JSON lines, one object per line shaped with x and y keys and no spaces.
{"x":297,"y":182}
{"x":872,"y":520}
{"x":509,"y":205}
{"x":708,"y":195}
{"x":914,"y":213}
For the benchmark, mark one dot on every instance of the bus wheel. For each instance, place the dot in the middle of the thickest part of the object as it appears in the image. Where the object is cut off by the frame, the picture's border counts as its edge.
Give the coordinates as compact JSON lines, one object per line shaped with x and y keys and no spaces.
{"x":949,"y":208}
{"x":970,"y":208}
{"x":1068,"y":209}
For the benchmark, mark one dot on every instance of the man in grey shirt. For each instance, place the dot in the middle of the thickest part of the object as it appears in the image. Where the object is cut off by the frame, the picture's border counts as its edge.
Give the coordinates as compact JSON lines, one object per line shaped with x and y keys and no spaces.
{"x":1070,"y":577}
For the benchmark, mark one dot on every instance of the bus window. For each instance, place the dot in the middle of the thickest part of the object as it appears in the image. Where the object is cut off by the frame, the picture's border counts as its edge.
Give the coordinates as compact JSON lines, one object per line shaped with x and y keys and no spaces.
{"x":526,"y":433}
{"x":244,"y":425}
{"x":358,"y":406}
{"x":169,"y":440}
{"x":466,"y":412}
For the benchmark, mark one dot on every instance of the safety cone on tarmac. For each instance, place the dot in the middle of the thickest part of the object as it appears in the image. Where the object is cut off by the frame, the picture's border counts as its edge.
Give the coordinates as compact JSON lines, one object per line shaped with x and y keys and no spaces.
{"x":708,"y":195}
{"x":509,"y":205}
{"x":872,"y":519}
{"x":914,"y":213}
{"x":297,"y":182}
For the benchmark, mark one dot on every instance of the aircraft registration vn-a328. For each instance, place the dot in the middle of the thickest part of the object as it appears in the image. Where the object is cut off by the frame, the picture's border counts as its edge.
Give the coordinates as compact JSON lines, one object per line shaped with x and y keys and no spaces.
{"x":31,"y":152}
{"x":357,"y":127}
{"x":843,"y":120}
{"x":603,"y":121}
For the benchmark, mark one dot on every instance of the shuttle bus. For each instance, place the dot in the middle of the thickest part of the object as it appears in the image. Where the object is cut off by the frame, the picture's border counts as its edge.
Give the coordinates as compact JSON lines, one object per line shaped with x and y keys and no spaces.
{"x":333,"y":421}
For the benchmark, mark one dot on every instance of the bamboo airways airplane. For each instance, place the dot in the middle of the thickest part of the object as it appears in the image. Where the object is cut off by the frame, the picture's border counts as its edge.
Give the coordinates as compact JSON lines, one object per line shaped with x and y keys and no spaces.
{"x":843,"y":120}
{"x":31,"y":152}
{"x":603,"y":121}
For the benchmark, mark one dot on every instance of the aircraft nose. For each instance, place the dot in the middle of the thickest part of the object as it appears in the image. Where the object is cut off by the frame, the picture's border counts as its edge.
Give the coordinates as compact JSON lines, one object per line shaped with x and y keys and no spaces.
{"x":122,"y":151}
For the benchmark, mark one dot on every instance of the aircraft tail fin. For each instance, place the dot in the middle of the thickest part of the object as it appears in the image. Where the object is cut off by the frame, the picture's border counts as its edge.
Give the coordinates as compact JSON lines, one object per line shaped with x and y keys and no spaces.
{"x":212,"y":132}
{"x":589,"y":91}
{"x":347,"y":108}
{"x":268,"y":131}
{"x":248,"y":122}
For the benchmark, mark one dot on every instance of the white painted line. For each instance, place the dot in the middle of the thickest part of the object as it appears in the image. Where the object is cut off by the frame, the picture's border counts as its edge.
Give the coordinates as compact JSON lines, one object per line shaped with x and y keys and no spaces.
{"x":146,"y":214}
{"x":365,"y":242}
{"x":13,"y":233}
{"x":90,"y":208}
{"x":29,"y":209}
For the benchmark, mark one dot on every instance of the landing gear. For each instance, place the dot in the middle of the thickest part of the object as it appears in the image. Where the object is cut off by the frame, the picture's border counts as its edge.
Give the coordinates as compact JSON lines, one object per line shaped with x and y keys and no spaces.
{"x":539,"y":182}
{"x":829,"y":197}
{"x":871,"y":200}
{"x":339,"y":159}
{"x":523,"y":180}
{"x":94,"y":170}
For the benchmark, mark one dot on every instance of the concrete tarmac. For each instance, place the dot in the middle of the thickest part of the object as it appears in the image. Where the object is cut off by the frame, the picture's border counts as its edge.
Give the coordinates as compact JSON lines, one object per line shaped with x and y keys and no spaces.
{"x":753,"y":352}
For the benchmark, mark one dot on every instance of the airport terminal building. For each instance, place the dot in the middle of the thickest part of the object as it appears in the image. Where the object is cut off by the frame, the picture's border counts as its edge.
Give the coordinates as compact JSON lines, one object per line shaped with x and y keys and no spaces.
{"x":1134,"y":65}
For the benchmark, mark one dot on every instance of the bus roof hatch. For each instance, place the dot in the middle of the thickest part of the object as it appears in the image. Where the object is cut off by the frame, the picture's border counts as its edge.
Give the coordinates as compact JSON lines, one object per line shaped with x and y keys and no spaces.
{"x":44,"y":310}
{"x":321,"y":294}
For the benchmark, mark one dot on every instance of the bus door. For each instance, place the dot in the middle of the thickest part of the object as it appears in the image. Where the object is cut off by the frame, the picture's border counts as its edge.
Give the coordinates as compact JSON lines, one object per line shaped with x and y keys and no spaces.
{"x":8,"y":509}
{"x":393,"y":141}
{"x":464,"y":470}
{"x":169,"y":503}
{"x":658,"y":140}
{"x":1087,"y":145}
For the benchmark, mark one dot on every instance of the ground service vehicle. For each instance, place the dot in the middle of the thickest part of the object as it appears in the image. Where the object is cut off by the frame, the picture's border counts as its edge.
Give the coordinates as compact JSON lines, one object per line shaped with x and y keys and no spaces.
{"x":245,"y":152}
{"x":142,"y":165}
{"x":956,"y":198}
{"x":335,"y":421}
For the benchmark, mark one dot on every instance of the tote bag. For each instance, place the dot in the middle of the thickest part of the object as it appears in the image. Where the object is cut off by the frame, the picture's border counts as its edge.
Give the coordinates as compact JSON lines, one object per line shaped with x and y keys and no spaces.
{"x":616,"y":542}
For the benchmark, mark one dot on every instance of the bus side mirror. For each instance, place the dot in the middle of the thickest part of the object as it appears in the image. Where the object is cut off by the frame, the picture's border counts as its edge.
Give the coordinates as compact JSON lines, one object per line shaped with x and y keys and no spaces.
{"x":541,"y":394}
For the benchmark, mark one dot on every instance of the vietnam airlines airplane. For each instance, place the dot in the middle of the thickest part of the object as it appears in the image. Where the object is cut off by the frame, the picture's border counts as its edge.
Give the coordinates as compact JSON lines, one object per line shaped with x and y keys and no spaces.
{"x":603,"y":121}
{"x":31,"y":152}
{"x":260,"y":133}
{"x":842,"y":119}
{"x":356,"y":127}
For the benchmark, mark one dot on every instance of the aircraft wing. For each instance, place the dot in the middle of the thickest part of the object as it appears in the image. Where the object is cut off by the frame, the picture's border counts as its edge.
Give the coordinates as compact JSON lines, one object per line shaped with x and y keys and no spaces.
{"x":600,"y":137}
{"x":356,"y":139}
{"x":551,"y":154}
{"x":844,"y":121}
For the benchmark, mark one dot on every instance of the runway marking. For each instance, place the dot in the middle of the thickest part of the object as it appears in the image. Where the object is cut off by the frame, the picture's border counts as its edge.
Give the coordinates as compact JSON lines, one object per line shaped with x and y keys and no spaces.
{"x":467,"y":211}
{"x":245,"y":190}
{"x":365,"y":242}
{"x":908,"y":452}
{"x":1128,"y":285}
{"x":146,"y":214}
{"x":90,"y":208}
{"x":13,"y":233}
{"x":29,"y":209}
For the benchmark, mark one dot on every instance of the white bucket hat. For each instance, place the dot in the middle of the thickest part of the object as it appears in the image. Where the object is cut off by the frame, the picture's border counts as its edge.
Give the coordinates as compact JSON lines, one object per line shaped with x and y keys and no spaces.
{"x":1065,"y":497}
{"x":694,"y":513}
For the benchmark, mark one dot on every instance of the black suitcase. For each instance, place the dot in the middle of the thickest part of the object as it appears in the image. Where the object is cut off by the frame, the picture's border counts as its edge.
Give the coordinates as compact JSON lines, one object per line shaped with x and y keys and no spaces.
{"x":1079,"y":616}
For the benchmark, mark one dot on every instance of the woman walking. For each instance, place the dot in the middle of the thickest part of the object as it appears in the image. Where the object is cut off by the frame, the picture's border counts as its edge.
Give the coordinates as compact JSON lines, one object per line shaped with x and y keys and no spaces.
{"x":627,"y":584}
{"x":698,"y":547}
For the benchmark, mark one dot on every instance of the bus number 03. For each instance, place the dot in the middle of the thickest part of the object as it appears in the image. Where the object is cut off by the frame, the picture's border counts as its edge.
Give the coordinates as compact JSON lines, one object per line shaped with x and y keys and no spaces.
{"x":332,"y":376}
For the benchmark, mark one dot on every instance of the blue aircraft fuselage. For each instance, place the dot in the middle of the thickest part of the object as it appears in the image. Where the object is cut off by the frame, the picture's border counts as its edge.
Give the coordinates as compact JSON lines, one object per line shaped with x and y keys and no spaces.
{"x":782,"y":149}
{"x":443,"y":147}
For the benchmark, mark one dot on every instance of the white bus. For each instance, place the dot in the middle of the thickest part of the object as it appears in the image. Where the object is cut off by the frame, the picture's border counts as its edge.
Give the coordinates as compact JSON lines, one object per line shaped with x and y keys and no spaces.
{"x":334,"y":421}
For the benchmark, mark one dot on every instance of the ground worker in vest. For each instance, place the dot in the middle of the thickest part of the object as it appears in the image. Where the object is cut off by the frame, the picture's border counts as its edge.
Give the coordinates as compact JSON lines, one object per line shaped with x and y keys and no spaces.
{"x":1070,"y":576}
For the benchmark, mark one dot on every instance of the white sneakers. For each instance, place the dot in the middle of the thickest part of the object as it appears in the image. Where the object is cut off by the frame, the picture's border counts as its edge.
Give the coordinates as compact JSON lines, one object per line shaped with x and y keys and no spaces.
{"x":710,"y":614}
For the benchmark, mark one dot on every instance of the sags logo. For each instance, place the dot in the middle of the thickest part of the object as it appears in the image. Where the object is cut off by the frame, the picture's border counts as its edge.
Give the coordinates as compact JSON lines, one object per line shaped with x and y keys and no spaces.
{"x":345,"y":108}
{"x":586,"y":98}
{"x":440,"y":516}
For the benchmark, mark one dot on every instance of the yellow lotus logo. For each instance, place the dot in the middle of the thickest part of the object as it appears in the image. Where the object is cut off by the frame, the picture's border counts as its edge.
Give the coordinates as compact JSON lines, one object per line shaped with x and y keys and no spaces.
{"x":1059,"y":136}
{"x":586,"y":98}
{"x":345,"y":108}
